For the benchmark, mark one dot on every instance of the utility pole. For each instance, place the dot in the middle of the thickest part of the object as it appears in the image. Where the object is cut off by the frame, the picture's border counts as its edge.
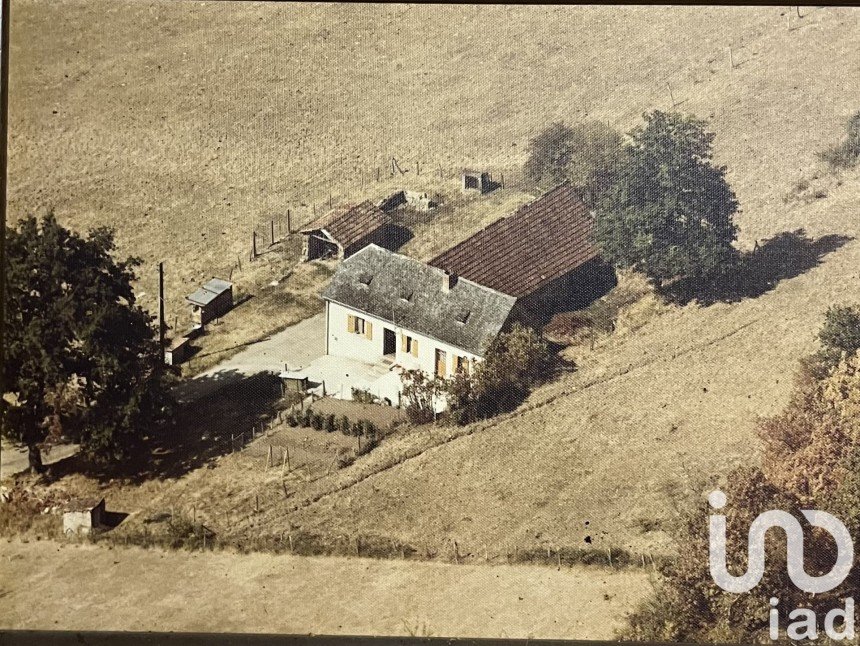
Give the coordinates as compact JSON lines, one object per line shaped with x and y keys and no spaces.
{"x":161,"y":323}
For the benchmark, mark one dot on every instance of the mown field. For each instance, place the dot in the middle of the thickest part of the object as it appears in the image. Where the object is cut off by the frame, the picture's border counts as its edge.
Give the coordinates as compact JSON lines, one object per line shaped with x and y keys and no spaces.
{"x":187,"y":124}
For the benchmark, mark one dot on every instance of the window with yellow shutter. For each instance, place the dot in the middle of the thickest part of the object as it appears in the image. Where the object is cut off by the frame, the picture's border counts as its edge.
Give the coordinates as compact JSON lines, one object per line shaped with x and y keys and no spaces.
{"x":368,"y":331}
{"x":357,"y":325}
{"x":408,"y":344}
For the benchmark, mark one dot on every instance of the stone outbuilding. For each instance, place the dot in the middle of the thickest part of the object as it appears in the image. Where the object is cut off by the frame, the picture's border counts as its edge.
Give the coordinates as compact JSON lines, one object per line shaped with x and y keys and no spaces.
{"x":82,"y":516}
{"x":475,"y":180}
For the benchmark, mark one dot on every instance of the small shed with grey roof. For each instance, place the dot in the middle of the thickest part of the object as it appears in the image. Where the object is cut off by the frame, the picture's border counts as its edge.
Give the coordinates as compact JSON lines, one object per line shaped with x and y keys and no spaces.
{"x":212,"y":300}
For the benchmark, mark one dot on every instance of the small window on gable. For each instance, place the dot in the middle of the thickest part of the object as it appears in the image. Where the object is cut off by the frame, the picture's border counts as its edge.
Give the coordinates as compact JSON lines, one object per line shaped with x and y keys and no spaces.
{"x":462,"y":316}
{"x":406,"y":295}
{"x":365,"y":279}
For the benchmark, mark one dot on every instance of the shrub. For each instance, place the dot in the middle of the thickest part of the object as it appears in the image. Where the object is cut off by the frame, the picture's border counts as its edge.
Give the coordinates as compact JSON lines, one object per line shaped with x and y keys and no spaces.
{"x":344,"y":425}
{"x":368,"y":428}
{"x":514,"y":362}
{"x":355,"y":429}
{"x":847,"y":153}
{"x":363,"y":396}
{"x":344,"y":459}
{"x":420,"y":392}
{"x":182,"y":532}
{"x":586,"y":154}
{"x":368,"y":444}
{"x":316,"y":421}
{"x":330,"y":424}
{"x":292,"y":420}
{"x":840,"y":333}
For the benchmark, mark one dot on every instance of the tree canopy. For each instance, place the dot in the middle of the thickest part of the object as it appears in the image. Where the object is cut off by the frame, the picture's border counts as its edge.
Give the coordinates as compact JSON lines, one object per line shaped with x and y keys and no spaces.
{"x":586,"y":154}
{"x":82,"y":360}
{"x":669,"y":211}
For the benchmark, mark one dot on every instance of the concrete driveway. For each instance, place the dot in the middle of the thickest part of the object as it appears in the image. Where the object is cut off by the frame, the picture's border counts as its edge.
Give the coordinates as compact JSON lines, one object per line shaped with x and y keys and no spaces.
{"x":296,"y":346}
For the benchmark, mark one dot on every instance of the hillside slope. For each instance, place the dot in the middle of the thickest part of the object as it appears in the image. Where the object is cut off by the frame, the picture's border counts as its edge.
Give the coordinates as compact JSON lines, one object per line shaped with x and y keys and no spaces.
{"x":185,"y":125}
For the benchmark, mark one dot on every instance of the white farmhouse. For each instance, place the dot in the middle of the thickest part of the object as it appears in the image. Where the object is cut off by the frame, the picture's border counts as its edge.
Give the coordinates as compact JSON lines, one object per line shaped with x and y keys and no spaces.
{"x":402,"y":314}
{"x":386,"y":313}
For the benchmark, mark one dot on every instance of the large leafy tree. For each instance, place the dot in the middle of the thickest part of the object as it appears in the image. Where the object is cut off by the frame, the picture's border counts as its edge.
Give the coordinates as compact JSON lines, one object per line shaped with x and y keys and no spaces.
{"x":669,"y":211}
{"x":587,"y":155}
{"x":81,"y":357}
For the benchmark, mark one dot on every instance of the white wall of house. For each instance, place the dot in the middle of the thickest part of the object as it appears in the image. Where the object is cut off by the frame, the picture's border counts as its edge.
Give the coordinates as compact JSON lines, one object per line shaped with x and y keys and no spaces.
{"x":368,"y":346}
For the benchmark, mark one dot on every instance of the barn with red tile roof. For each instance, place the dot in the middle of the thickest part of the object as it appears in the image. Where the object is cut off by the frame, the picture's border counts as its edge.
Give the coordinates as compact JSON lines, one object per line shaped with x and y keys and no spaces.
{"x":543,"y":254}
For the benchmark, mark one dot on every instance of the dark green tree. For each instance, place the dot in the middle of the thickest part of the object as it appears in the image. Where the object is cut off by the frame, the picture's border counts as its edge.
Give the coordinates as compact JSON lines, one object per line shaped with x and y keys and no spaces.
{"x":587,"y":155}
{"x":669,"y":212}
{"x":81,"y":359}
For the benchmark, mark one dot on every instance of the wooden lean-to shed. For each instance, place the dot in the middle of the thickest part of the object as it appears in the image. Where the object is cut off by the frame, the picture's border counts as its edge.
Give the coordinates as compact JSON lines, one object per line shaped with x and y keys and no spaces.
{"x":210,"y":301}
{"x":343,"y":232}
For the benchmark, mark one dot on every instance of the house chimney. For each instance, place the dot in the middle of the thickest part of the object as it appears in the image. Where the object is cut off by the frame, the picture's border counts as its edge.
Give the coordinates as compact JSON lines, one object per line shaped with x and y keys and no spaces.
{"x":448,"y":281}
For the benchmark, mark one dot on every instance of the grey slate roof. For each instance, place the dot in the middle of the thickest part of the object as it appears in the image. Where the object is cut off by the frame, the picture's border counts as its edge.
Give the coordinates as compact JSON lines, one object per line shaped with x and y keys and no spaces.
{"x":429,"y":310}
{"x":206,"y":294}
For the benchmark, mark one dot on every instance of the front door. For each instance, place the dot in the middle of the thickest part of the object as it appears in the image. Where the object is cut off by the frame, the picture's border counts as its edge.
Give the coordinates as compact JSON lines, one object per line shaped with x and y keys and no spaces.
{"x":389,"y":341}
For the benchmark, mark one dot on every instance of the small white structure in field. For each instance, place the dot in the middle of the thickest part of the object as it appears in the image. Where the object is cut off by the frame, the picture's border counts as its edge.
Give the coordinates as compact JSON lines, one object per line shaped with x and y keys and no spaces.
{"x":82,"y":516}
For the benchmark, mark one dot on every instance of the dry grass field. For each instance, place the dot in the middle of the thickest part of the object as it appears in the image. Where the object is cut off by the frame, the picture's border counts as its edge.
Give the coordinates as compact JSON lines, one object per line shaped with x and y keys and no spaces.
{"x":185,"y":125}
{"x":260,"y":593}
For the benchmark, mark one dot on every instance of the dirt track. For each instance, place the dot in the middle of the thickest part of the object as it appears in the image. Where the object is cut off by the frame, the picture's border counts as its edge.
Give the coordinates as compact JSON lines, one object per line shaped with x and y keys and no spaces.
{"x":47,"y":585}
